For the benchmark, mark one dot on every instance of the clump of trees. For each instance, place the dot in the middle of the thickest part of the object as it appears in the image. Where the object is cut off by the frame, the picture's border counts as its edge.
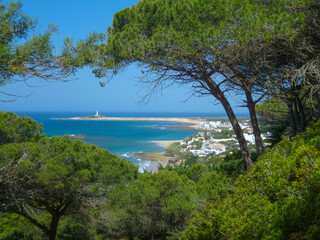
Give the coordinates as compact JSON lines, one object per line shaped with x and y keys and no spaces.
{"x":45,"y":179}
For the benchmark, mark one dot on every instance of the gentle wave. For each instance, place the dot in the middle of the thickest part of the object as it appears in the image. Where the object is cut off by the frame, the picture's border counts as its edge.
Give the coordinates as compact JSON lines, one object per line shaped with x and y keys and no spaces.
{"x":143,"y":164}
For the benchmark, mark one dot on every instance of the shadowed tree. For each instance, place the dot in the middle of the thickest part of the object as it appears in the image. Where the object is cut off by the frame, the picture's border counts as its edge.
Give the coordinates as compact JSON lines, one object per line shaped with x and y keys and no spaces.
{"x":290,"y":68}
{"x":297,"y":67}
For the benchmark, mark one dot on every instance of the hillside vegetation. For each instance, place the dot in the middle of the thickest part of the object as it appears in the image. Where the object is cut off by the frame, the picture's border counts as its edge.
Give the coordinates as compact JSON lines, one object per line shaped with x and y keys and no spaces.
{"x":97,"y":195}
{"x":277,"y":199}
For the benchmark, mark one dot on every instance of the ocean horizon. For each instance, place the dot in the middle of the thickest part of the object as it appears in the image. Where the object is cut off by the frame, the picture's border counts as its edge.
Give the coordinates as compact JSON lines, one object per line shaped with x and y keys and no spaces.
{"x":132,"y":114}
{"x":123,"y":138}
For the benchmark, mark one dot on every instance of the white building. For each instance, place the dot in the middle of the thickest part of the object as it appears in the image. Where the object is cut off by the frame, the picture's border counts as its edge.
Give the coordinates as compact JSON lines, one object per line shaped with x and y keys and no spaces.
{"x":249,"y":137}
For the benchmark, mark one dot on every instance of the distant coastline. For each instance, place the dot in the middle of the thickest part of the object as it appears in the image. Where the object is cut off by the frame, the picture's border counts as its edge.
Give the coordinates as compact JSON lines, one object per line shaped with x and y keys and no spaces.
{"x":157,"y":157}
{"x":125,"y":134}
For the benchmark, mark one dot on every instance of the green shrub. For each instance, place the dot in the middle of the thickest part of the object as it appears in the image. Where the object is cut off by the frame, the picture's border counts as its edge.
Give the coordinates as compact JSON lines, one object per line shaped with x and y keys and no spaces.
{"x":279,"y":198}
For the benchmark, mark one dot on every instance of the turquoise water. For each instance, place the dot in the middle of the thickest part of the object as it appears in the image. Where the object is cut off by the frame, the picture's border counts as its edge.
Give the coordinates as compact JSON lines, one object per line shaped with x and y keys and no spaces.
{"x":124,"y":138}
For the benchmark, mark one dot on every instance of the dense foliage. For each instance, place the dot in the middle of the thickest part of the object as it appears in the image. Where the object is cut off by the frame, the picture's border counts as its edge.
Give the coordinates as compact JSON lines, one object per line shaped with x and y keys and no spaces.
{"x":153,"y":207}
{"x":15,"y":129}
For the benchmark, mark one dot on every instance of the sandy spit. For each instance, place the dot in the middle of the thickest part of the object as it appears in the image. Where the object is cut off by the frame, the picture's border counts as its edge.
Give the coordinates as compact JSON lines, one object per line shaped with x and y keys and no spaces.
{"x":179,"y":120}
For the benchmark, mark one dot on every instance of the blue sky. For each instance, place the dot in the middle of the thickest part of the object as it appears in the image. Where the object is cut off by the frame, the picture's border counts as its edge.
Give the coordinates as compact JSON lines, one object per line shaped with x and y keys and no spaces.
{"x":77,"y":18}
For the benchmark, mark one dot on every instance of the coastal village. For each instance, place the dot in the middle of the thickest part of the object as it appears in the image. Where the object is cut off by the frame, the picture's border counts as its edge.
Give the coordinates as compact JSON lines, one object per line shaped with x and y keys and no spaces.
{"x":216,"y":137}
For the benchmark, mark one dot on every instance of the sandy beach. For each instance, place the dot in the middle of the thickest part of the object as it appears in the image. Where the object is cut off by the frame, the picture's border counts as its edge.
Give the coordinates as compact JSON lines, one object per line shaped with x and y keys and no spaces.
{"x":166,"y":143}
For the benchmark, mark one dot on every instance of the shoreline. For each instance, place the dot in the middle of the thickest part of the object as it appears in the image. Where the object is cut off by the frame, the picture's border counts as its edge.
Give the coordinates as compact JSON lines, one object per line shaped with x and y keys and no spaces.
{"x":158,"y":158}
{"x":155,"y":158}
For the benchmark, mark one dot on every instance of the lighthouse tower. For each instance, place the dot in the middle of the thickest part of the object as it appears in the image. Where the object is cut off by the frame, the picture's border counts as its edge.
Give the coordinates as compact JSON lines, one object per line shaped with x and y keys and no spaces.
{"x":97,"y":114}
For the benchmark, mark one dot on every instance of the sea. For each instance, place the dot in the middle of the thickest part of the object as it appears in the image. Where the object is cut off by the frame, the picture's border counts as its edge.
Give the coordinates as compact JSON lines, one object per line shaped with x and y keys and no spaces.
{"x":123,"y":138}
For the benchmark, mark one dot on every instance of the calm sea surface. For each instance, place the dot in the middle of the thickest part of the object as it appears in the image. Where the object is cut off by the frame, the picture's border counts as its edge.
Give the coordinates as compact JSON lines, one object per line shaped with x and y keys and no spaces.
{"x":124,"y":138}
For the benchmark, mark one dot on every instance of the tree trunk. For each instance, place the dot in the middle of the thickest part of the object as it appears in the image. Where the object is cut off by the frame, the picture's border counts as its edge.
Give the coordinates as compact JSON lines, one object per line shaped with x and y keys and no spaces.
{"x":54,"y":227}
{"x":219,"y":95}
{"x":239,"y":133}
{"x":302,"y":115}
{"x":292,"y":120}
{"x":318,"y":107}
{"x":297,"y":115}
{"x":255,"y":125}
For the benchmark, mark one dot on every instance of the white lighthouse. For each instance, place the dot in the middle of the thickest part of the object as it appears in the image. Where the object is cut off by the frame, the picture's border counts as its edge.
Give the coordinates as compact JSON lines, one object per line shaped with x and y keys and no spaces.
{"x":97,"y":114}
